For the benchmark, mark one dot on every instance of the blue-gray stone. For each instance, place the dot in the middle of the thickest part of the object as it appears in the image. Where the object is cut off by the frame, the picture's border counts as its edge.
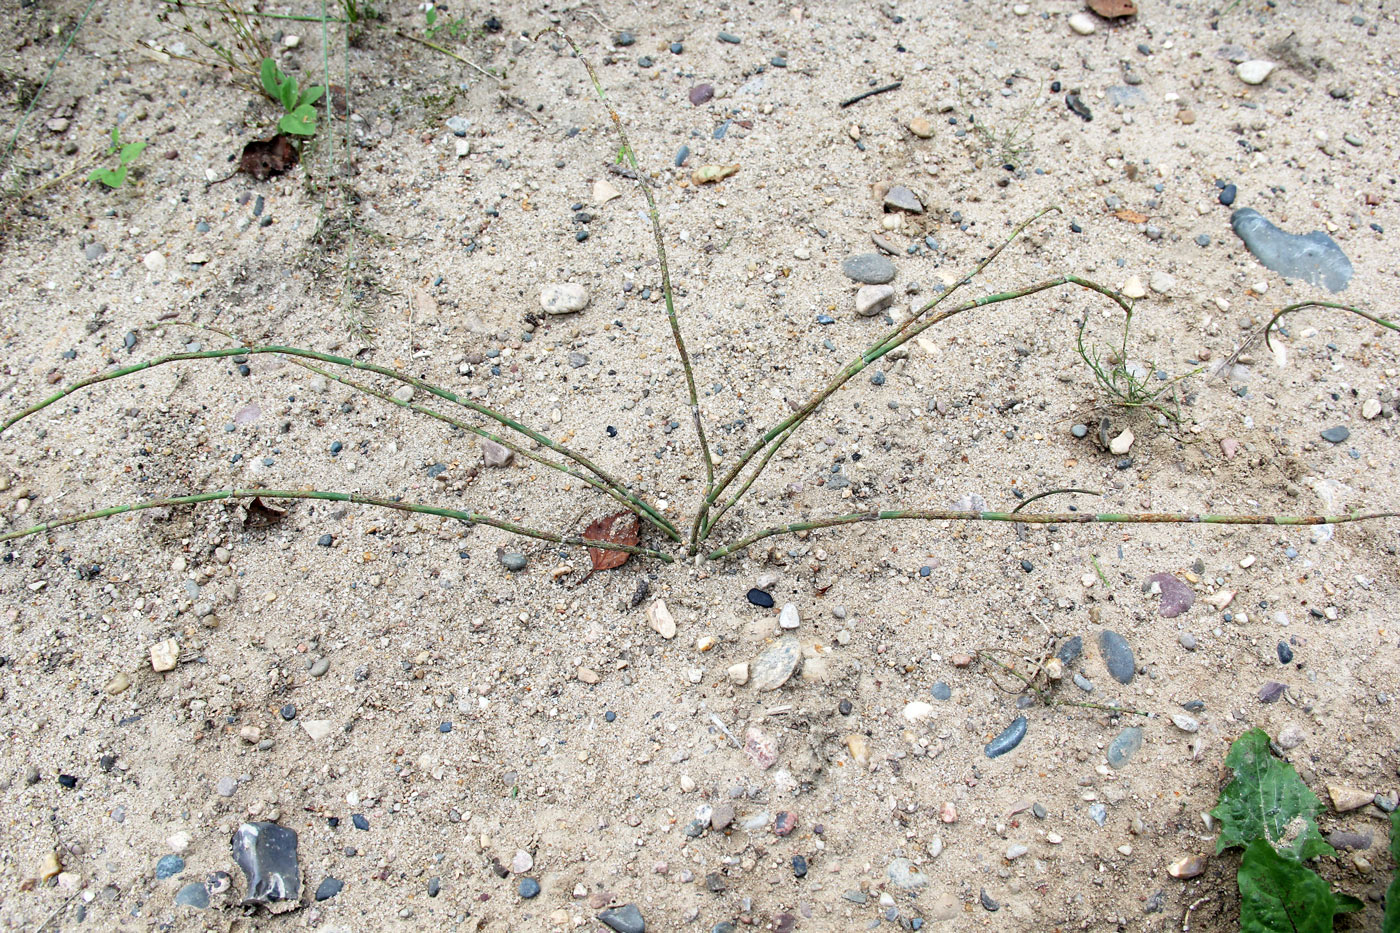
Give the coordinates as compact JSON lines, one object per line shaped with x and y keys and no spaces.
{"x":1227,"y":195}
{"x":1285,"y":653}
{"x":1313,"y":257}
{"x":1124,"y":747}
{"x":1098,"y":813}
{"x":730,"y":38}
{"x":328,"y":888}
{"x":529,"y":888}
{"x":513,"y":561}
{"x":624,"y":919}
{"x":1336,"y":435}
{"x":267,"y":853}
{"x":169,"y":866}
{"x":1083,"y":683}
{"x":868,"y":269}
{"x":1069,"y":652}
{"x":1080,"y":430}
{"x":1117,"y":656}
{"x":194,"y":894}
{"x":942,"y":691}
{"x":682,"y":154}
{"x":1121,"y":95}
{"x":1010,"y":737}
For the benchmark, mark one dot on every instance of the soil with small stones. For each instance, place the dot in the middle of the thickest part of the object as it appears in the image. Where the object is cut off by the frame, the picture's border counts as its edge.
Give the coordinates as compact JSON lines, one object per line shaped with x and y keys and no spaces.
{"x":467,"y":712}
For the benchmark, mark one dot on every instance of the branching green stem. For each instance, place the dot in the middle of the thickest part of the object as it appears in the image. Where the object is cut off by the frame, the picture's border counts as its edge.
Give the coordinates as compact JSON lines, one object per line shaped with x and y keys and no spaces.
{"x":1383,"y":322}
{"x":471,"y":518}
{"x":1048,"y":518}
{"x":654,"y":213}
{"x":656,"y":517}
{"x":902,"y":335}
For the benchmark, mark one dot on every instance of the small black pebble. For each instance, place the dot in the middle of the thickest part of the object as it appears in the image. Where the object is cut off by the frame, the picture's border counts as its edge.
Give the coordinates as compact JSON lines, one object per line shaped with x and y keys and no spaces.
{"x":1027,"y":566}
{"x":325,"y":540}
{"x":434,"y":886}
{"x":845,"y":707}
{"x":243,"y":370}
{"x":581,"y":235}
{"x":1054,"y":87}
{"x":987,"y":901}
{"x":677,"y":48}
{"x":1285,"y":653}
{"x":337,"y":447}
{"x":610,"y":716}
{"x":359,"y":820}
{"x":333,"y":822}
{"x":1075,"y":228}
{"x":1227,"y":195}
{"x":760,"y":598}
{"x":68,"y":781}
{"x":289,"y":712}
{"x":799,"y":866}
{"x":445,"y":728}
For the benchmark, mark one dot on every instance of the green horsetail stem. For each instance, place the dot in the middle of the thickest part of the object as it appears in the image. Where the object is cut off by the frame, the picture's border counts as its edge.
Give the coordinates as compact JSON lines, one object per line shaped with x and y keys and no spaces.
{"x":470,"y":518}
{"x":1048,"y":518}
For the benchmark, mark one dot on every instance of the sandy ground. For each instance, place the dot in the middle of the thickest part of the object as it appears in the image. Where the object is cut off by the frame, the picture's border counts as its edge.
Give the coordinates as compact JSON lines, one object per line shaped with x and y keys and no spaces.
{"x":533,"y":721}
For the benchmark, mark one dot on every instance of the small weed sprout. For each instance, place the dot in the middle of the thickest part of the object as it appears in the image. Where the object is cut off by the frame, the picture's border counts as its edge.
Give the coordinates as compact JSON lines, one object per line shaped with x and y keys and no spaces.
{"x":300,"y":116}
{"x":1121,"y":385}
{"x":432,"y":26}
{"x":126,"y":154}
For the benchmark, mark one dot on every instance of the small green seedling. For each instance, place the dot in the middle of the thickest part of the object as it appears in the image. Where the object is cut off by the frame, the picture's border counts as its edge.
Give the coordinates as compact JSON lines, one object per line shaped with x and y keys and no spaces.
{"x":1121,"y":385}
{"x":452,"y":27}
{"x":126,"y":154}
{"x":300,"y":118}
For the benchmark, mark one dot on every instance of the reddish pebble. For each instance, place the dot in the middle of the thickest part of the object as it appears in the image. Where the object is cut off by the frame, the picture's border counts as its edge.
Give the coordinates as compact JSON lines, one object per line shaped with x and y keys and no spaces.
{"x":1229,"y":447}
{"x":948,"y":813}
{"x":961,"y":660}
{"x":785,"y":823}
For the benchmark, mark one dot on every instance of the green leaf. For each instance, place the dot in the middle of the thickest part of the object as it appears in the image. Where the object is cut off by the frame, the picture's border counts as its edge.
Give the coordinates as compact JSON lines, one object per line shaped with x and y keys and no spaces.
{"x":1267,"y":800}
{"x":116,"y":138}
{"x":131,"y":151}
{"x":271,"y":79}
{"x":1280,"y":893}
{"x":431,"y":16}
{"x":112,"y":178}
{"x":288,"y":94}
{"x":310,"y":95}
{"x":300,"y":122}
{"x":1391,"y":924}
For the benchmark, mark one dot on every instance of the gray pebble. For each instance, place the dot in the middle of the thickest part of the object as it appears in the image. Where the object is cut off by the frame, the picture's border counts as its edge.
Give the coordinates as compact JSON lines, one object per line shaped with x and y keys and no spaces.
{"x":987,"y":901}
{"x":1313,"y":257}
{"x":1117,"y":656}
{"x":1080,"y":430}
{"x":1124,"y":747}
{"x":900,"y":198}
{"x":868,"y":268}
{"x":901,"y":872}
{"x":1098,"y":813}
{"x":1069,"y":651}
{"x":226,"y":786}
{"x":1187,"y":640}
{"x":773,"y":667}
{"x":1010,"y":737}
{"x":513,"y":561}
{"x":624,"y":919}
{"x":320,"y":667}
{"x":1336,"y":435}
{"x":941,"y":691}
{"x":194,"y":894}
{"x":1083,"y":683}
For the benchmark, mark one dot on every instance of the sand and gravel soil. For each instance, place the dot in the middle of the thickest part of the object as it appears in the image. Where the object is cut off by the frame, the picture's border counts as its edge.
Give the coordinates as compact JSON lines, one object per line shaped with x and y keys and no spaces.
{"x":452,"y":717}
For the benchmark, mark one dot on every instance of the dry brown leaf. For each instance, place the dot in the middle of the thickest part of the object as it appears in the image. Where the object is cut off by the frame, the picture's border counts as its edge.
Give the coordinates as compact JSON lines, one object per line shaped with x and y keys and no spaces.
{"x":263,"y":158}
{"x":618,"y":528}
{"x":1113,"y":9}
{"x":260,"y":514}
{"x":709,"y":174}
{"x":1132,"y":217}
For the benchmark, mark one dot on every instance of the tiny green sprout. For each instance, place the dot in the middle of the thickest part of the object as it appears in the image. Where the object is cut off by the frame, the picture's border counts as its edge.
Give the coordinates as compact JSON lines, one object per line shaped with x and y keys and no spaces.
{"x":126,"y":154}
{"x":300,"y":116}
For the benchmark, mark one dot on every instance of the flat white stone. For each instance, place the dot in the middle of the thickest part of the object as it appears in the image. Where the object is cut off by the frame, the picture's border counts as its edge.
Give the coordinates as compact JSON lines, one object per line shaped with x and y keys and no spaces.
{"x":872,"y":299}
{"x":1255,"y":71}
{"x":1083,"y":23}
{"x":563,"y":298}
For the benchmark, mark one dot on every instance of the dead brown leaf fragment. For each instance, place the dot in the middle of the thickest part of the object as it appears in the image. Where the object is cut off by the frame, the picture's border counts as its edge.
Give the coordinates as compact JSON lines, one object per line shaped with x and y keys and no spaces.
{"x":618,"y":528}
{"x":1113,"y":9}
{"x":1132,"y":217}
{"x":260,"y":514}
{"x":263,"y":158}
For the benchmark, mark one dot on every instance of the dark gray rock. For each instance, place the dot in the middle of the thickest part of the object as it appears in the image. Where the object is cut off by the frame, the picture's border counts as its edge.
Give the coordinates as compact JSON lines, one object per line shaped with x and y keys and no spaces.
{"x":1336,"y":435}
{"x":1117,"y":656}
{"x":267,"y":853}
{"x":328,"y":888}
{"x":1010,"y":737}
{"x":196,"y":895}
{"x":624,"y":919}
{"x":1069,"y":651}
